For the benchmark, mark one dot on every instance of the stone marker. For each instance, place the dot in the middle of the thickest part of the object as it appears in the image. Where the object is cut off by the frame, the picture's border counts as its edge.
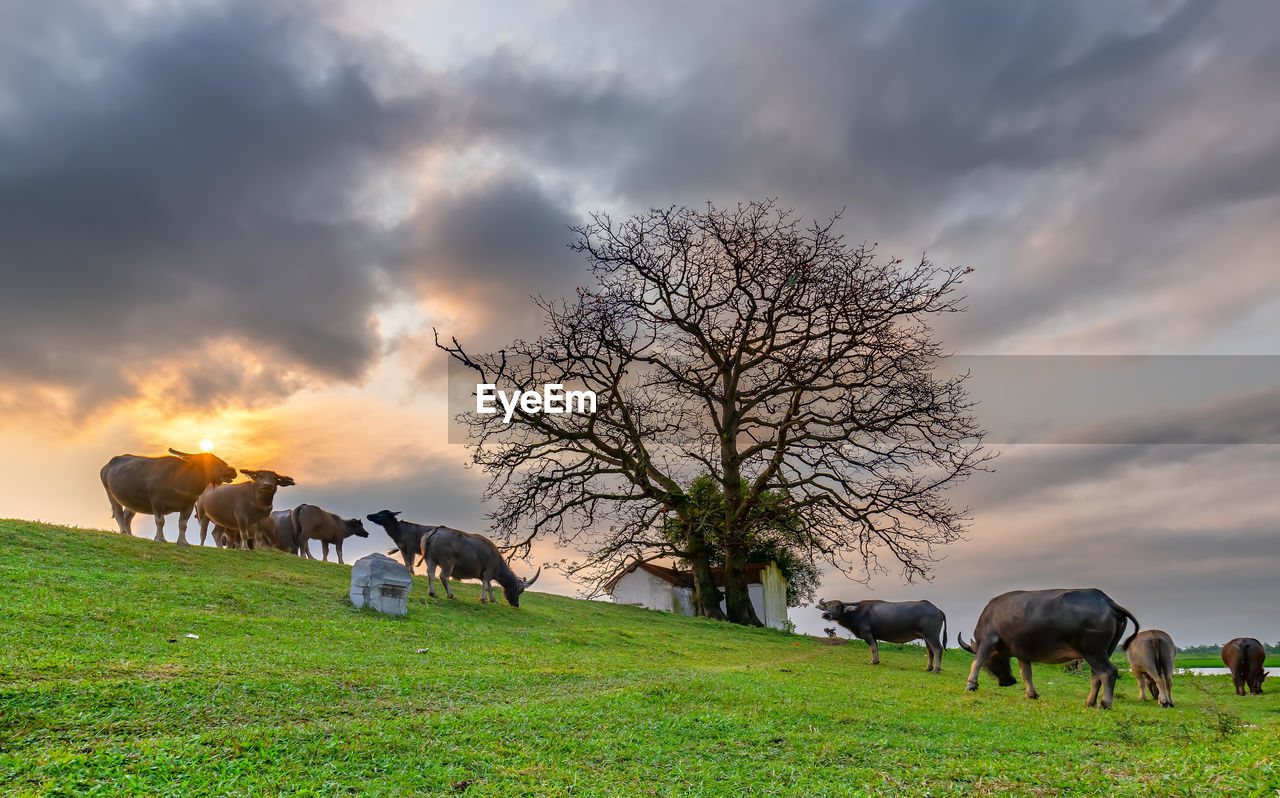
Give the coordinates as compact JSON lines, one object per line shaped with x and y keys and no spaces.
{"x":381,"y":583}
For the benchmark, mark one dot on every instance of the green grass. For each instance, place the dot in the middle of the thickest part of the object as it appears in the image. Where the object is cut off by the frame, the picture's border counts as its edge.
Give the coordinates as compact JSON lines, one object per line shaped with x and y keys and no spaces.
{"x":290,"y":690}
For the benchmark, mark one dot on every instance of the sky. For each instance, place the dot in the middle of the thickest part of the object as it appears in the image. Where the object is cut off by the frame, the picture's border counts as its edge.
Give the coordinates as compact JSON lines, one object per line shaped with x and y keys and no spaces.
{"x":240,"y":222}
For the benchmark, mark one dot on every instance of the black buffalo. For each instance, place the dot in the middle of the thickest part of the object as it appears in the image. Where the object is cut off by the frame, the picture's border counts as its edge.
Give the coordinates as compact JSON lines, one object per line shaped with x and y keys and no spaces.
{"x":1049,"y":626}
{"x":406,"y":534}
{"x":893,"y":622}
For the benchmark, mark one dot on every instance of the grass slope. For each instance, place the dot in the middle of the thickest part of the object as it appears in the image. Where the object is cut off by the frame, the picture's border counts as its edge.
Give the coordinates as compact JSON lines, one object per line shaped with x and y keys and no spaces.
{"x":290,"y":690}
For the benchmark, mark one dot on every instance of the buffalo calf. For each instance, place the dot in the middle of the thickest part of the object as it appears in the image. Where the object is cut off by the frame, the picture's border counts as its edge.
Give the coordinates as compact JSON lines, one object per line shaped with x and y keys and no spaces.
{"x":311,"y":523}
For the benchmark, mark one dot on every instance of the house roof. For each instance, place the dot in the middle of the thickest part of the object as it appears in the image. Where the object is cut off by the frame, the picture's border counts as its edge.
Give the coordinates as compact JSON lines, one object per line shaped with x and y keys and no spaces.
{"x":683,"y":578}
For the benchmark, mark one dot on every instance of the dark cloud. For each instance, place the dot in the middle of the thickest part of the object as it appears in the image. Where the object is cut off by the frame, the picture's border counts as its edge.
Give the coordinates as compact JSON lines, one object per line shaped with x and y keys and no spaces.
{"x":490,"y":247}
{"x":200,"y":183}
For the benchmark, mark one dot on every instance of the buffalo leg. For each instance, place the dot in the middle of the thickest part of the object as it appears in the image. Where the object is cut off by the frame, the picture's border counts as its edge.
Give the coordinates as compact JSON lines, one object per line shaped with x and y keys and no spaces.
{"x":1165,"y":683}
{"x":875,"y":649}
{"x":935,"y":655}
{"x":183,"y":518}
{"x":431,"y":578}
{"x":126,"y":525}
{"x":159,"y":528}
{"x":1025,"y":667}
{"x":1143,"y":681}
{"x":980,"y":655}
{"x":324,"y":549}
{"x":1104,"y":680}
{"x":446,"y":570}
{"x":117,"y":512}
{"x":338,"y":546}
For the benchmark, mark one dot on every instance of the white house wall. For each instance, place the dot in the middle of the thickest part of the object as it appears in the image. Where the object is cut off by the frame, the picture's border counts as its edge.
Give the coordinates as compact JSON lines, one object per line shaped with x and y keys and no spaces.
{"x":646,"y":590}
{"x":643,"y":589}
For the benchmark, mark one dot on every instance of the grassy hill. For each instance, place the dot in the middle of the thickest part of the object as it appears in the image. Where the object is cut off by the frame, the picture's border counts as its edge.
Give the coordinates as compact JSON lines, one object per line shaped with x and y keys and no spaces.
{"x":290,"y":690}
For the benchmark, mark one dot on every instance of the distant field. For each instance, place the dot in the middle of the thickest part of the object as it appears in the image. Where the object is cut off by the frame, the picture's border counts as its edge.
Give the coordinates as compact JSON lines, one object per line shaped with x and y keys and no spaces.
{"x":1216,"y":662}
{"x":290,"y":690}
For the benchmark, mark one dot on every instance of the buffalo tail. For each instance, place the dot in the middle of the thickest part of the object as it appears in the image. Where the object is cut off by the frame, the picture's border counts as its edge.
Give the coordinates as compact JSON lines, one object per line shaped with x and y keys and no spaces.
{"x":1136,"y":625}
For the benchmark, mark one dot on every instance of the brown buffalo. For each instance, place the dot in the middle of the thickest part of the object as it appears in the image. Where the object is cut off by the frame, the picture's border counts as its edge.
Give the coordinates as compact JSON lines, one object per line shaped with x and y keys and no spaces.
{"x":242,"y":507}
{"x":311,"y":523}
{"x":1151,"y":654}
{"x":1053,"y":626}
{"x":1244,"y":657}
{"x":160,"y":485}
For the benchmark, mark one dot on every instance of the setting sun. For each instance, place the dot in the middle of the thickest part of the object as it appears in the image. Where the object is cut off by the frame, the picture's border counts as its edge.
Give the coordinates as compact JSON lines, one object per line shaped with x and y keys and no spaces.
{"x":206,"y":445}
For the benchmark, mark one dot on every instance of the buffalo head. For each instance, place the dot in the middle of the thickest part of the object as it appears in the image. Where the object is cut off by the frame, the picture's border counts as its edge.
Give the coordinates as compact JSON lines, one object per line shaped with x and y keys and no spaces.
{"x":513,"y":591}
{"x":353,"y":526}
{"x":834,"y":610}
{"x":265,"y":482}
{"x":213,"y":469}
{"x":383,"y":517}
{"x":995,"y":664}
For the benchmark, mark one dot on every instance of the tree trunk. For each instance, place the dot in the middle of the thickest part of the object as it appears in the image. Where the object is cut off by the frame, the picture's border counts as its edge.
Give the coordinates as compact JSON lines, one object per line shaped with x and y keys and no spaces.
{"x":706,"y":596}
{"x":737,"y":597}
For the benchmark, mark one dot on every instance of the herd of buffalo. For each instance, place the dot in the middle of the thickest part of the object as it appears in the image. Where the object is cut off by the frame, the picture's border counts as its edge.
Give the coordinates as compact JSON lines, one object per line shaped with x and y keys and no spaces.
{"x":1050,"y":626}
{"x":242,"y":517}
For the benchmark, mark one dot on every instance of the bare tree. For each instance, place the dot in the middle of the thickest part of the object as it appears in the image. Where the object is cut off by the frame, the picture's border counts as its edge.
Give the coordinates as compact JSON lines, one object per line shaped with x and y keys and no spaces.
{"x":744,"y":344}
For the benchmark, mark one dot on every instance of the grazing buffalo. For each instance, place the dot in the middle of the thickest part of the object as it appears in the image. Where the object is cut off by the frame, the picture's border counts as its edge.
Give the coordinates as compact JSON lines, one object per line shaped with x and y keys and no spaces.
{"x":1049,"y":626}
{"x":160,"y":485}
{"x":893,"y":622}
{"x":1244,"y":657}
{"x":312,"y":523}
{"x":1151,"y":654}
{"x":465,"y":555}
{"x":241,"y":508}
{"x":406,"y":534}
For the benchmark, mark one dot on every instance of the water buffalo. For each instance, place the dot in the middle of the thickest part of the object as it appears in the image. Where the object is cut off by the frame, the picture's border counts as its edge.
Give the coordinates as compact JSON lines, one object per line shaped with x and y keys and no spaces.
{"x":1244,"y":657}
{"x":893,"y":622}
{"x":1049,"y":626}
{"x":242,"y":507}
{"x":160,"y":485}
{"x":284,"y":535}
{"x":406,"y":534}
{"x":312,"y":523}
{"x":466,"y":555}
{"x":1151,"y":654}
